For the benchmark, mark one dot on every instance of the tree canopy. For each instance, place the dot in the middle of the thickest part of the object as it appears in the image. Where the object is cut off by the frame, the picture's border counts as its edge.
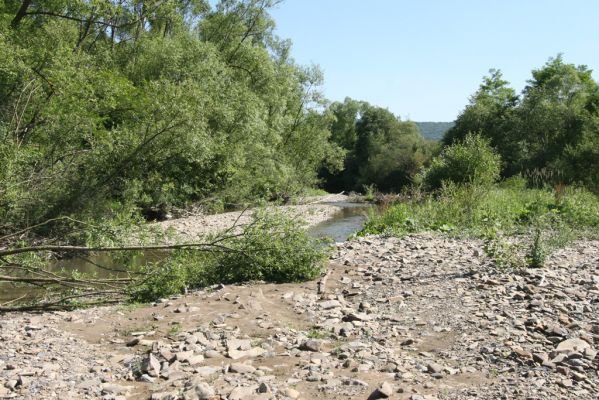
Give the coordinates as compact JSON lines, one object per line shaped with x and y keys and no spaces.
{"x":550,"y":133}
{"x":148,"y":104}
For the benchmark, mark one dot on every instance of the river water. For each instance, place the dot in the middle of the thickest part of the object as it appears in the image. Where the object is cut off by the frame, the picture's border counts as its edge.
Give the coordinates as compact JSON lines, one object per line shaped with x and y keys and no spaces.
{"x":347,"y":221}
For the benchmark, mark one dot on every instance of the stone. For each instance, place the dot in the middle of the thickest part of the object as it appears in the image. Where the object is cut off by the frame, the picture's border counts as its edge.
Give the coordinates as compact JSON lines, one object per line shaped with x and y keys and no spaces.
{"x":205,"y":371}
{"x":385,"y":390}
{"x":203,"y":391}
{"x":151,"y":365}
{"x":183,"y":356}
{"x":434,"y":368}
{"x":572,"y":345}
{"x":292,"y":393}
{"x":241,"y":393}
{"x":263,"y":388}
{"x":113,"y":389}
{"x":540,"y":357}
{"x":311,"y":345}
{"x":329,"y":304}
{"x":241,"y":368}
{"x":164,"y":396}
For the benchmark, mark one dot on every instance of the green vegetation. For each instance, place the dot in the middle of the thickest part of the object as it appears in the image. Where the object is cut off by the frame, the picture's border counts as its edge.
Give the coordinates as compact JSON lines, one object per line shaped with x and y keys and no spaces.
{"x":472,"y":162}
{"x":116,"y":113}
{"x":520,"y":226}
{"x":549,"y":134}
{"x":272,"y":248}
{"x":140,"y":106}
{"x":381,"y":150}
{"x":543,"y":144}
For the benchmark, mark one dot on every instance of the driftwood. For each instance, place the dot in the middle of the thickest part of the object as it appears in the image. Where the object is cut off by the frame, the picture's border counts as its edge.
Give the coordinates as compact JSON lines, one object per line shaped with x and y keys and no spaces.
{"x":322,"y":284}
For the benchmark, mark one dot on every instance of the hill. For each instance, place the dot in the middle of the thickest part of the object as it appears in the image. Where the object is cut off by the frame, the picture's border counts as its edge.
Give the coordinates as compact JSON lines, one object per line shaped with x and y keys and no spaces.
{"x":434,"y":130}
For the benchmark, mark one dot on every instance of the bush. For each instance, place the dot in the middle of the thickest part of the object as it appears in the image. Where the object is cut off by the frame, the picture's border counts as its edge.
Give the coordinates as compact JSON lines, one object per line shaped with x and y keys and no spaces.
{"x":272,"y":248}
{"x":520,"y":226}
{"x":471,"y":161}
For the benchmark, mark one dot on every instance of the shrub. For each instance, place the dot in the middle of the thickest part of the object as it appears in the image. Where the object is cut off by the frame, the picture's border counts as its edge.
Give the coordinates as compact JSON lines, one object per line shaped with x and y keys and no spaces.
{"x":272,"y":248}
{"x":471,"y":161}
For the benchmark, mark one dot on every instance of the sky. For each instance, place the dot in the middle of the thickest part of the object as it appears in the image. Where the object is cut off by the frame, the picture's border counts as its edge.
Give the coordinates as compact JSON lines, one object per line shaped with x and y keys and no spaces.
{"x":422,"y":59}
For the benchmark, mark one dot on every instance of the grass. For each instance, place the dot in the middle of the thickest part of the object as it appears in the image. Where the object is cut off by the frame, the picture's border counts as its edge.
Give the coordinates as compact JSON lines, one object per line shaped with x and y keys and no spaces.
{"x":548,"y":219}
{"x":472,"y":211}
{"x":317,"y":334}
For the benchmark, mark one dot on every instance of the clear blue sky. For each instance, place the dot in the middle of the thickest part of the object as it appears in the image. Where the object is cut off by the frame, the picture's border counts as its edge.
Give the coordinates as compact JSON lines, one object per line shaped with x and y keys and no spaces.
{"x":422,"y":59}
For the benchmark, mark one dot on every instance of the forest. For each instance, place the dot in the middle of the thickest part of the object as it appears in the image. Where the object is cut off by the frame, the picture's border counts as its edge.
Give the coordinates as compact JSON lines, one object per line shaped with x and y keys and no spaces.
{"x":113,"y":113}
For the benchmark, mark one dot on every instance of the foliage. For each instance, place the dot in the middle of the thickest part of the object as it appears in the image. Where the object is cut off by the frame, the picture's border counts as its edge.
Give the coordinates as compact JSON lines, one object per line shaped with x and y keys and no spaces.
{"x":471,"y":161}
{"x":272,"y":248}
{"x":549,"y":134}
{"x":146,"y":105}
{"x":497,"y":214}
{"x":381,"y":150}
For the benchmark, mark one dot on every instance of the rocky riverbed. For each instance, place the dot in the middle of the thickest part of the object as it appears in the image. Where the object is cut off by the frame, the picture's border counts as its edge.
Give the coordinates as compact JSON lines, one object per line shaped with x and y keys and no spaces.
{"x":311,"y":210}
{"x":422,"y":317}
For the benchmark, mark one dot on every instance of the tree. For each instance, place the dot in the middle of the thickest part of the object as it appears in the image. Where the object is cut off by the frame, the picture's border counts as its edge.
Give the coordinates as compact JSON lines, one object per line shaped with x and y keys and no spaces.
{"x":382,"y":150}
{"x":471,"y":161}
{"x":118,"y":107}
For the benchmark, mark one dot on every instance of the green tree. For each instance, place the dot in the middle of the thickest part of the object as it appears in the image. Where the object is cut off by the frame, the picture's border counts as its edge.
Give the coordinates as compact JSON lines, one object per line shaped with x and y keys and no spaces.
{"x":471,"y":161}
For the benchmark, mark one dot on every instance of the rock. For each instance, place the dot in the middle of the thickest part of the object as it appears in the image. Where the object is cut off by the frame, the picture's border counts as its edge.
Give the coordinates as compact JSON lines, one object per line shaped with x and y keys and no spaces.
{"x":113,"y":389}
{"x":434,"y":368}
{"x":263,"y":388}
{"x":147,"y":378}
{"x":241,"y":393}
{"x":183,"y":356}
{"x":590,"y":353}
{"x":212,"y":354}
{"x":164,"y":396}
{"x":239,"y":344}
{"x":203,"y":391}
{"x":205,"y":371}
{"x":357,"y":317}
{"x":291,"y":393}
{"x":572,"y":345}
{"x":195,"y":360}
{"x":521,"y":353}
{"x":327,"y":305}
{"x":151,"y":365}
{"x":241,"y":368}
{"x":311,"y":345}
{"x":253,"y":352}
{"x":540,"y":357}
{"x":385,"y":390}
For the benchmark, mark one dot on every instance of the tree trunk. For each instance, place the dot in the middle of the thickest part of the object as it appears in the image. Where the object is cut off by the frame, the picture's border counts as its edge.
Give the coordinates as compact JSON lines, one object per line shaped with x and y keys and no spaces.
{"x":20,"y":14}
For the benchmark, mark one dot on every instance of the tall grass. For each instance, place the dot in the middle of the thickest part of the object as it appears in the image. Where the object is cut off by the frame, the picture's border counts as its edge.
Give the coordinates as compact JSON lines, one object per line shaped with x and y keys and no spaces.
{"x":549,"y":218}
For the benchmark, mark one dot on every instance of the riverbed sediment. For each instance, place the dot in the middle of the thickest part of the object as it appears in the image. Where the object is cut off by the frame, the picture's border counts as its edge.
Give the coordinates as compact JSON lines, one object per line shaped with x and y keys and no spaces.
{"x":420,"y":317}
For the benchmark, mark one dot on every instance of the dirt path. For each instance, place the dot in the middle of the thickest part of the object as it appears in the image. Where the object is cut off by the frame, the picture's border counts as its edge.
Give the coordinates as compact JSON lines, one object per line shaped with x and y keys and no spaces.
{"x":424,"y":317}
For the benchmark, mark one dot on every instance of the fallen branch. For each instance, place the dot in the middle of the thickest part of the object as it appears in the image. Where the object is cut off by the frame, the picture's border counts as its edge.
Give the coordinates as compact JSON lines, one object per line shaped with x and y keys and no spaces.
{"x":322,"y":284}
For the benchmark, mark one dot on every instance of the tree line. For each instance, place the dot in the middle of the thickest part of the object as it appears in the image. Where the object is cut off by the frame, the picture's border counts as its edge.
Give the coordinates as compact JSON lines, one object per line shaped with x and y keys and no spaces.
{"x":111,"y":108}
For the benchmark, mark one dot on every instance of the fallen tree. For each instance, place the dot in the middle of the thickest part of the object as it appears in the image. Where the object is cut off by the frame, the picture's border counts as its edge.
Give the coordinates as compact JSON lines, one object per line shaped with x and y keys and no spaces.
{"x":271,"y":247}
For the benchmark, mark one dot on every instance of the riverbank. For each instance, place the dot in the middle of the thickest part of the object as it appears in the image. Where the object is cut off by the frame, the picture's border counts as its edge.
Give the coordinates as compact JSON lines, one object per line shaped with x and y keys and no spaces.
{"x":422,"y":317}
{"x":312,"y":210}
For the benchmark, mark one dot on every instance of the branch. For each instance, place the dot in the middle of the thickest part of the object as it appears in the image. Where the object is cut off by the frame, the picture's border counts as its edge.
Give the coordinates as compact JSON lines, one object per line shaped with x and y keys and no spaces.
{"x":84,"y":249}
{"x":20,"y":14}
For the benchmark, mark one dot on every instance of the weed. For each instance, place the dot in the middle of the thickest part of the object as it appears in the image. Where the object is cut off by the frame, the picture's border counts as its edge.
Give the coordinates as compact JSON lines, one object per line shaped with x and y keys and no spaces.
{"x":316,"y":334}
{"x":174,"y":329}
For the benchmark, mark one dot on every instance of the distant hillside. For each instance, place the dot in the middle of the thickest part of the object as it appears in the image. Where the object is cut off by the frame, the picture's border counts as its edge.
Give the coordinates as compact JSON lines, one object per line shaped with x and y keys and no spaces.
{"x":434,"y":130}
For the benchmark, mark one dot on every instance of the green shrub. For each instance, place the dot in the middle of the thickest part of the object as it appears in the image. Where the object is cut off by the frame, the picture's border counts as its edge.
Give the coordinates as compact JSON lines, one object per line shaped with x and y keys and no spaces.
{"x":497,"y":214}
{"x":471,"y":161}
{"x":272,"y":248}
